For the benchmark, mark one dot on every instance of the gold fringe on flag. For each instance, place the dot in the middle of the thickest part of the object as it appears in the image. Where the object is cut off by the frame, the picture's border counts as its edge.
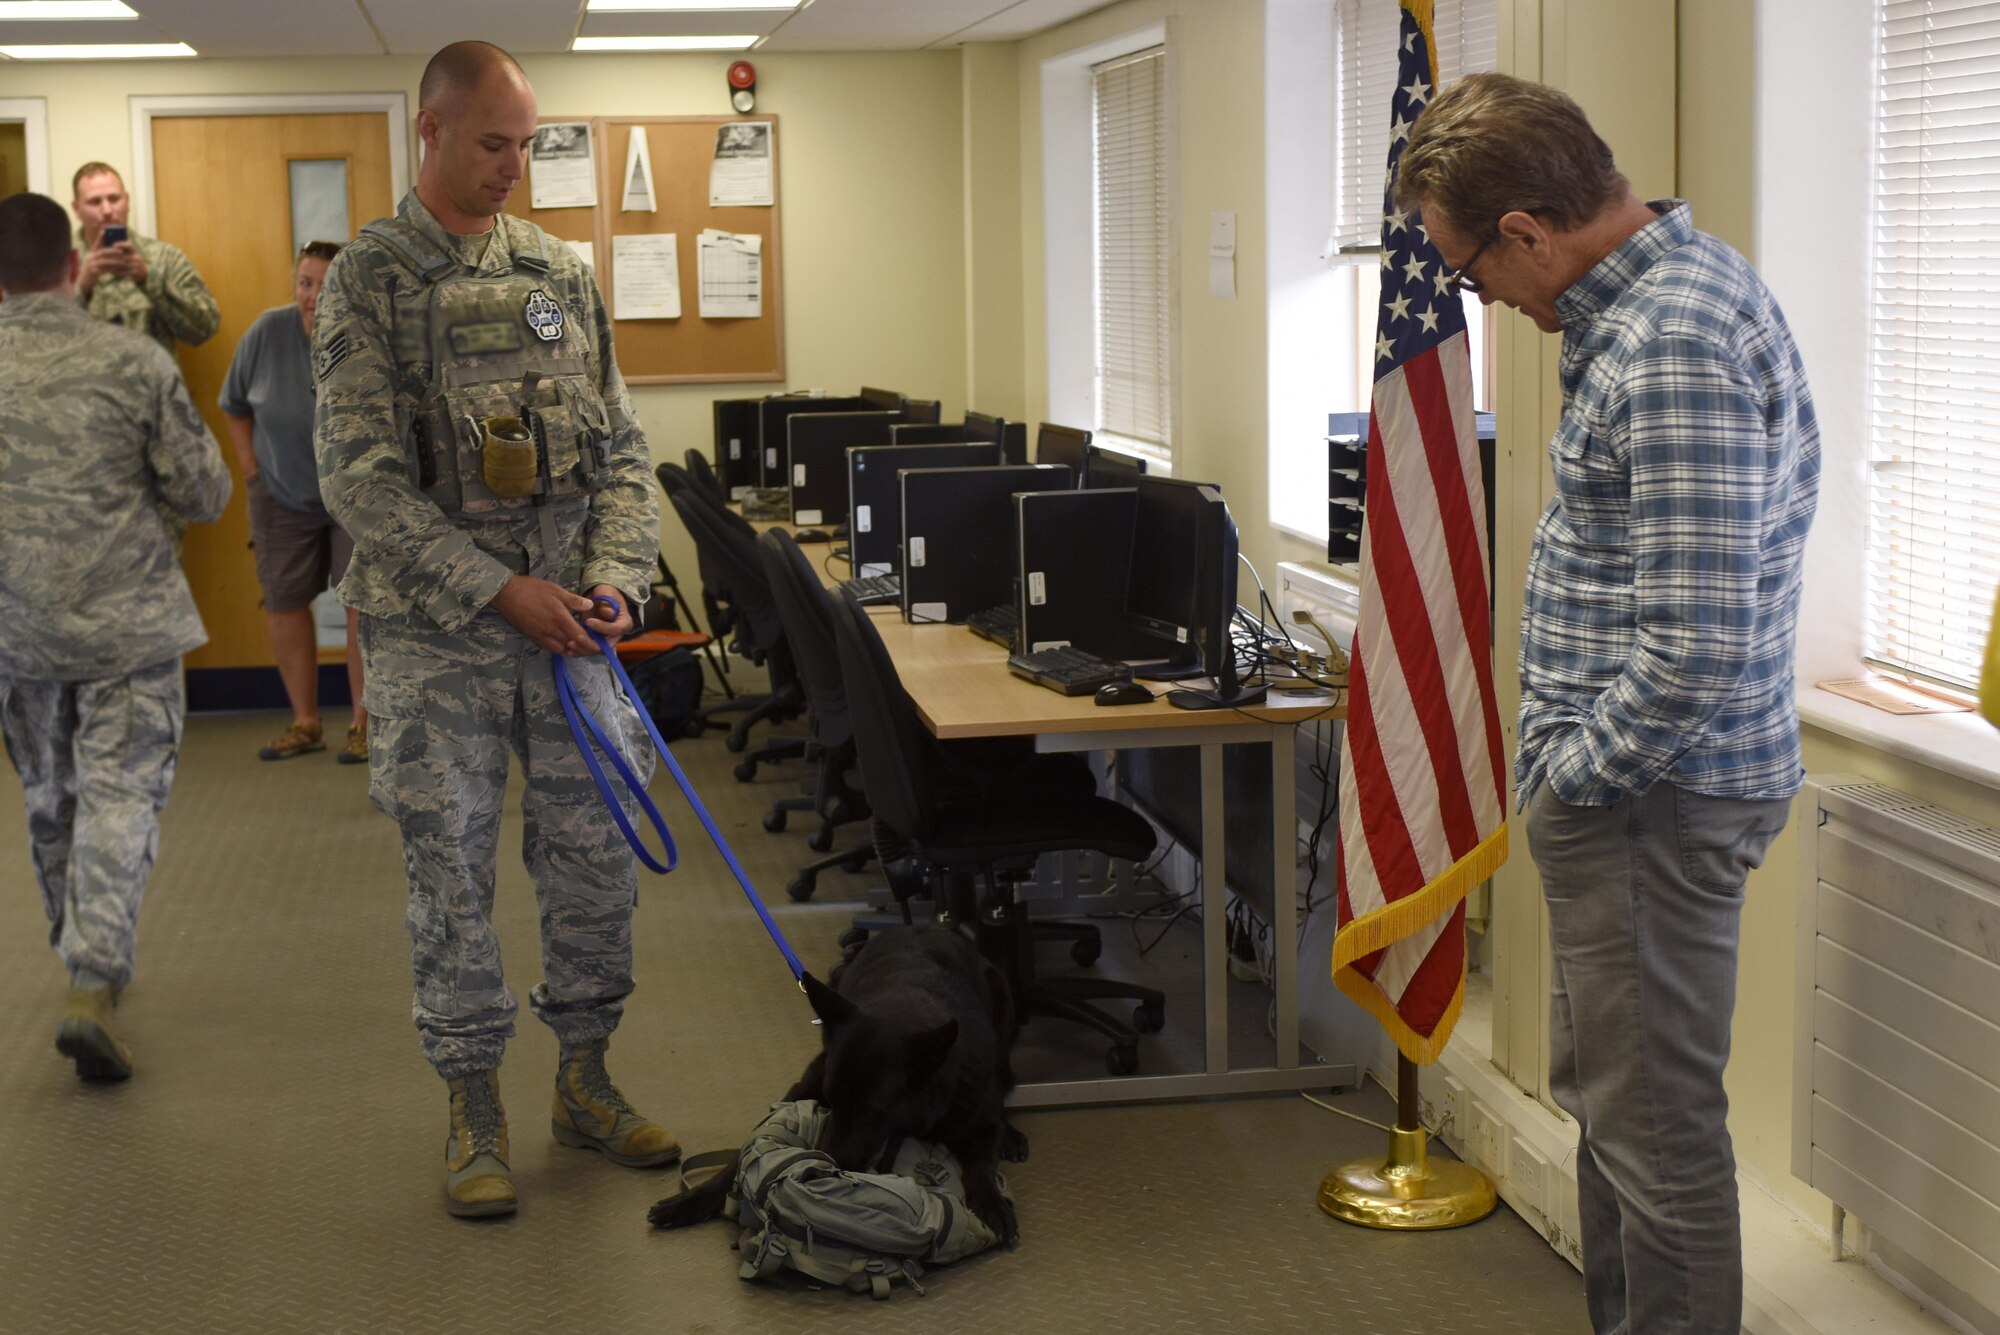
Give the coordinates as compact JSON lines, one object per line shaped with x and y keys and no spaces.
{"x":1391,"y":923}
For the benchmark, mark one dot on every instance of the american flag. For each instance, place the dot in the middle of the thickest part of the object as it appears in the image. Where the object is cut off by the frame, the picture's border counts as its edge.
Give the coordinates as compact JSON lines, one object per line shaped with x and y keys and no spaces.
{"x":1422,"y":814}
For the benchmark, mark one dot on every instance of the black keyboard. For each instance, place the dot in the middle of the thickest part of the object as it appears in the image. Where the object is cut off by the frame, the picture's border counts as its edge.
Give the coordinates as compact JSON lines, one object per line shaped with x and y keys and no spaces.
{"x":1071,"y":671}
{"x":870,"y":590}
{"x":995,"y":624}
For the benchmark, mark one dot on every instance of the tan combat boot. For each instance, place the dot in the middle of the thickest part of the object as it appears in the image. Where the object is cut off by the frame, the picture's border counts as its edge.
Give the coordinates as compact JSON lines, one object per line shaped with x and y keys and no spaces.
{"x":476,"y":1183}
{"x":85,"y":1036}
{"x":590,"y":1114}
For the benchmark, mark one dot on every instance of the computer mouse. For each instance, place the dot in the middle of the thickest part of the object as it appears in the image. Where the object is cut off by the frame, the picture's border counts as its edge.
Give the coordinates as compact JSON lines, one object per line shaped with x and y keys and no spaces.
{"x":1123,"y":693}
{"x":811,"y":535}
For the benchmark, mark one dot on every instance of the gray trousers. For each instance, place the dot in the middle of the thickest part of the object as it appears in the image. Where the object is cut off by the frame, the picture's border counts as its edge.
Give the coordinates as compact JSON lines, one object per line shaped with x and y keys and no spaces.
{"x":1645,"y":898}
{"x":444,"y":712}
{"x":96,"y":759}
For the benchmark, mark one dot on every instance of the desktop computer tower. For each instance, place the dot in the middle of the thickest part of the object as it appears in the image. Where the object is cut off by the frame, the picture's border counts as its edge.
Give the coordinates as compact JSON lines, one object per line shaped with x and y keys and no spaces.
{"x":958,"y":536}
{"x":817,"y":456}
{"x":1076,"y":558}
{"x":771,"y":434}
{"x":735,"y":452}
{"x":875,"y":495}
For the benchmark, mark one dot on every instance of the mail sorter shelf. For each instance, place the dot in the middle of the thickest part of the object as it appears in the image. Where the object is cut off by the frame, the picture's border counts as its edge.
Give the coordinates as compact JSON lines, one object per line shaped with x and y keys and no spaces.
{"x":1347,"y":484}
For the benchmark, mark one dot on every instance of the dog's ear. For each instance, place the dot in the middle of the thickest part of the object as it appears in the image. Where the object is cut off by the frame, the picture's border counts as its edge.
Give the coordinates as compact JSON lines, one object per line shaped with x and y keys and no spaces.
{"x":927,"y":1050}
{"x":829,"y":1005}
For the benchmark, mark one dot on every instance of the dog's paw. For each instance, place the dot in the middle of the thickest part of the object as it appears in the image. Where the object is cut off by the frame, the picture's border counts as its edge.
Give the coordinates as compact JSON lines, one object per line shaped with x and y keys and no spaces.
{"x":683,"y":1210}
{"x":1013,"y":1144}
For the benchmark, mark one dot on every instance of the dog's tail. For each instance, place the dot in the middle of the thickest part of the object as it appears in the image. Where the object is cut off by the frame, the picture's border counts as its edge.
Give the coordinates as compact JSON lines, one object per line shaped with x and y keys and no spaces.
{"x":706,"y":1181}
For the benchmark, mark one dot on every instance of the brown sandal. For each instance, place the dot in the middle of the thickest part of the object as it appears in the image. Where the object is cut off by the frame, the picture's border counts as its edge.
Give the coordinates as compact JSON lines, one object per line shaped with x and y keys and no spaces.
{"x":296,"y":740}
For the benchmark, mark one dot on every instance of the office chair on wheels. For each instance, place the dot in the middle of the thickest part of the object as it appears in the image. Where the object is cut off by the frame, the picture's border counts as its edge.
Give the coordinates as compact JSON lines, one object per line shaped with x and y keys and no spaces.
{"x":729,"y":557}
{"x":975,"y":831}
{"x":809,"y":631}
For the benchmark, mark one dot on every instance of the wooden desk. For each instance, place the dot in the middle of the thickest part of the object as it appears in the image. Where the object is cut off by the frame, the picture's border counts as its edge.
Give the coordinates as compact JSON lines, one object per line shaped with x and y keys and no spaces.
{"x":962,"y":688}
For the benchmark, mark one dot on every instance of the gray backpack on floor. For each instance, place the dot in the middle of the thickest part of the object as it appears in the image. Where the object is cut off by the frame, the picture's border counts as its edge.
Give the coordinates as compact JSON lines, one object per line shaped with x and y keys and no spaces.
{"x":861,"y":1231}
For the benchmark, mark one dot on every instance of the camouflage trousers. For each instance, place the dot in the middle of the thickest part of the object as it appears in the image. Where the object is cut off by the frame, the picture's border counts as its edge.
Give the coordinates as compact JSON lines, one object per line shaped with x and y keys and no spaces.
{"x":444,"y":711}
{"x":96,"y":759}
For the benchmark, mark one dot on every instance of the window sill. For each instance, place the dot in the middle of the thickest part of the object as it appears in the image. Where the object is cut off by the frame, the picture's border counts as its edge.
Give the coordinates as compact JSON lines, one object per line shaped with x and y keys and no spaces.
{"x":1964,"y":746}
{"x":1317,"y":538}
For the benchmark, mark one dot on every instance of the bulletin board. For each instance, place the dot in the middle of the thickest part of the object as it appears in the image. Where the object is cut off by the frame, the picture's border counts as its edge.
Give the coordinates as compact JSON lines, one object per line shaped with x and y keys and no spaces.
{"x":691,"y":348}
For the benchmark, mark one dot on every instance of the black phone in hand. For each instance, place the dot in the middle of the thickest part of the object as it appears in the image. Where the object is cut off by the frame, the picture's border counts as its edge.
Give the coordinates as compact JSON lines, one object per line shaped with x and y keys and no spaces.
{"x":114,"y":235}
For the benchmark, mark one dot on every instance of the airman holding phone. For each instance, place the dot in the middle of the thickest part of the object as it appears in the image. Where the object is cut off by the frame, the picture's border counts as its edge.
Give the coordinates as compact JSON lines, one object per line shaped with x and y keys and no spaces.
{"x":140,"y":282}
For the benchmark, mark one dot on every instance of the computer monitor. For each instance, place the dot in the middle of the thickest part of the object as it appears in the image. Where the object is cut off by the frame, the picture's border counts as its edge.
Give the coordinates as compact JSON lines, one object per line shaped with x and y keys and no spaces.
{"x":817,"y":453}
{"x":1075,"y":563}
{"x":1183,"y":585}
{"x":771,"y":439}
{"x":928,"y":433}
{"x":1011,"y":437}
{"x":958,"y":536}
{"x":875,"y":495}
{"x":735,"y":452}
{"x":1065,"y":445}
{"x":927,"y":411}
{"x":1110,"y":468}
{"x":888,"y":399}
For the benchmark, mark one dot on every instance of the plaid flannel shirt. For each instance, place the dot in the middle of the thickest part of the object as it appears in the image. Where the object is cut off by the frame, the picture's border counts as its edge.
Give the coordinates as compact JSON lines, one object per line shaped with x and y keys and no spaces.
{"x":1662,"y":603}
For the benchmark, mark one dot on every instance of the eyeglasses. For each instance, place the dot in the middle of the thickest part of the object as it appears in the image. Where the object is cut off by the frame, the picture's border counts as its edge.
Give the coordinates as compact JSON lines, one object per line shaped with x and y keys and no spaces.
{"x":1461,"y":278}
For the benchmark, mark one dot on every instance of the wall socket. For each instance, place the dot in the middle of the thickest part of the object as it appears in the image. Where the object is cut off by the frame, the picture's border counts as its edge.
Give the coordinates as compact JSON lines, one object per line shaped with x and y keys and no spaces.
{"x":1528,"y":1174}
{"x":1452,"y":1109}
{"x":1485,"y":1139}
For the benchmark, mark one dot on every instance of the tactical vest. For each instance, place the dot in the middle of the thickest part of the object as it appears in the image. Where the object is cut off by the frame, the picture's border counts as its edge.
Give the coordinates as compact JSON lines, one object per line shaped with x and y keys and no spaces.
{"x":511,"y":418}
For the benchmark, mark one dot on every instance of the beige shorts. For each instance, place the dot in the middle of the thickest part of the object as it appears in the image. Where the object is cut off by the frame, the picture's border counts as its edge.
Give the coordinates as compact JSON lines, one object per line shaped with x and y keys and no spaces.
{"x":299,"y":554}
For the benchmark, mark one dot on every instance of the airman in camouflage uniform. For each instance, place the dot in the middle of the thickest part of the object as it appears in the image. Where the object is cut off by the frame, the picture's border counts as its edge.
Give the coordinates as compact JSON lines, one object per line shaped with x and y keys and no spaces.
{"x":143,"y":283}
{"x":475,"y":437}
{"x":100,"y":451}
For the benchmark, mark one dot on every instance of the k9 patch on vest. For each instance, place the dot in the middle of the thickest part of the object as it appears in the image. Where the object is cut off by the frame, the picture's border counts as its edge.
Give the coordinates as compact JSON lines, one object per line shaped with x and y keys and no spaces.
{"x":543,"y":316}
{"x":469,"y":340}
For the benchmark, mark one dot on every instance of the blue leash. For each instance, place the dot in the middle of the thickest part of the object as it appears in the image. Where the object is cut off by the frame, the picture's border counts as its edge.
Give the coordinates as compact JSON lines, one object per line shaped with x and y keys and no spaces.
{"x":579,"y":713}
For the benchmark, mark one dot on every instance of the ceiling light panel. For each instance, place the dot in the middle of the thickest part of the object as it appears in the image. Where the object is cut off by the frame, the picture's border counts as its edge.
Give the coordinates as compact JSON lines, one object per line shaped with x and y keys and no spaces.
{"x":683,"y":23}
{"x":101,"y":51}
{"x":728,"y":42}
{"x":63,"y":11}
{"x":678,"y":6}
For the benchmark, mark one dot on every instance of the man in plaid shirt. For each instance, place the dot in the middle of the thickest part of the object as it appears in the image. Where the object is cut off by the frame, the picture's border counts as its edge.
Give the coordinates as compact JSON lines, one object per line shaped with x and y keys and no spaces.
{"x":1659,"y":737}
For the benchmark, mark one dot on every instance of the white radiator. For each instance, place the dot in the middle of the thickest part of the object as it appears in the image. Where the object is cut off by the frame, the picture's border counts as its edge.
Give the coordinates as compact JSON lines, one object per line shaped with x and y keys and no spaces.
{"x":1896,"y":1103}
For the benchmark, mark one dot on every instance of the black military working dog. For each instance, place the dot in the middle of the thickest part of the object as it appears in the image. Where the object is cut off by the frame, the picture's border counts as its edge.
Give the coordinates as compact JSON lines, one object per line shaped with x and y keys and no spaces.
{"x":916,"y":1031}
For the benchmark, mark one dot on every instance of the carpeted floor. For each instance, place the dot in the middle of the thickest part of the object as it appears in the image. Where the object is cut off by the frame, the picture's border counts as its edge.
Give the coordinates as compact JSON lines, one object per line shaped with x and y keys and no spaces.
{"x":274,"y":1166}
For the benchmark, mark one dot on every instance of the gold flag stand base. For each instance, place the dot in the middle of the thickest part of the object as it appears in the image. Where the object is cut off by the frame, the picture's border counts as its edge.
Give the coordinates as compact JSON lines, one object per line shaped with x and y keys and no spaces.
{"x":1408,"y":1190}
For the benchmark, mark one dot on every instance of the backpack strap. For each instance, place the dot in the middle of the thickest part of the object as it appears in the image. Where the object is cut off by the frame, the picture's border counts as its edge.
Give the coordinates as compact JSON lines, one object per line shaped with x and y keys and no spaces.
{"x":429,"y":259}
{"x":529,"y":246}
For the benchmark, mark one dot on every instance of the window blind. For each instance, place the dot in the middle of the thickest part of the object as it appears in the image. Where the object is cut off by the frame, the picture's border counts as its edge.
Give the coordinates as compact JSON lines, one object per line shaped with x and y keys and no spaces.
{"x":1933,"y":554}
{"x":1467,"y":33}
{"x":1134,"y":340}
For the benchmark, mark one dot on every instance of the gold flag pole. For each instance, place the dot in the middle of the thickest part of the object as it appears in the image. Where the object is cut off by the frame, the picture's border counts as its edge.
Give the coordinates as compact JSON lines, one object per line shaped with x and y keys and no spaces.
{"x":1409,"y":1189}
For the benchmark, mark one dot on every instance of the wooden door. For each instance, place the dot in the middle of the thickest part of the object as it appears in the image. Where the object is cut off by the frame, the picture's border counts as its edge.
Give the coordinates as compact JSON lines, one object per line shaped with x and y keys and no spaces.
{"x":222,"y":193}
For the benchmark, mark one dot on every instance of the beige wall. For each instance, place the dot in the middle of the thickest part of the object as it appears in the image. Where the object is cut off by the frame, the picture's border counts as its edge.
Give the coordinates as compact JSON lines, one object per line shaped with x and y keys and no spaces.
{"x":870,"y":178}
{"x":996,"y":359}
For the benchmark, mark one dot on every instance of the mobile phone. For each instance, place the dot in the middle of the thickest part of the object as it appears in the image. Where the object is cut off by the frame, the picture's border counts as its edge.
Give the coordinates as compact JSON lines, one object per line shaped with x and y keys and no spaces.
{"x":115,"y":235}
